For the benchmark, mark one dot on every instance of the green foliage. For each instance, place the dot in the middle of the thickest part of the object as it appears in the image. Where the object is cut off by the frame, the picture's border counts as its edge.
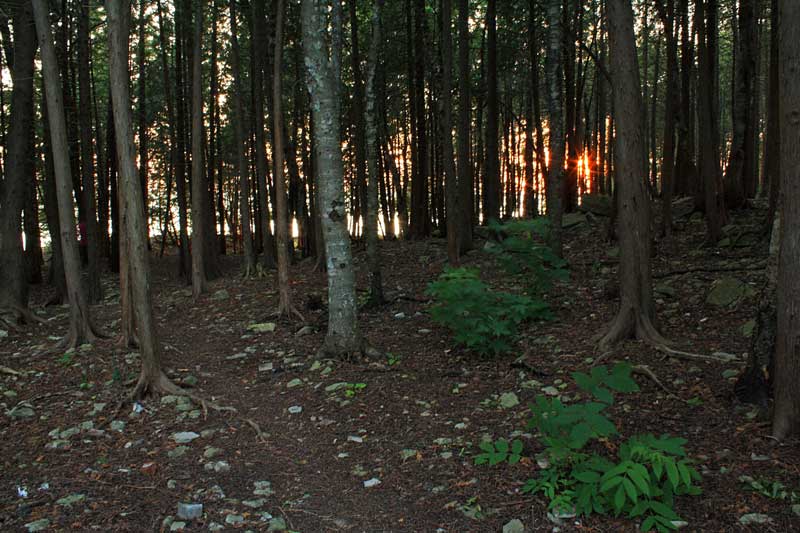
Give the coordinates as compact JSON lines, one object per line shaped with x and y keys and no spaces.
{"x":769,"y":488}
{"x":640,"y":482}
{"x":523,"y":252}
{"x":67,"y":359}
{"x":354,"y":388}
{"x":481,"y":319}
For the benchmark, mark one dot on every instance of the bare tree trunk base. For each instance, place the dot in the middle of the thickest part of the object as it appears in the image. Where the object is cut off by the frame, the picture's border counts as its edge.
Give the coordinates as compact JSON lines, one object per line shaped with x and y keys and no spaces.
{"x":75,"y":338}
{"x":288,"y":311}
{"x":632,"y":324}
{"x":21,"y":314}
{"x":361,"y":351}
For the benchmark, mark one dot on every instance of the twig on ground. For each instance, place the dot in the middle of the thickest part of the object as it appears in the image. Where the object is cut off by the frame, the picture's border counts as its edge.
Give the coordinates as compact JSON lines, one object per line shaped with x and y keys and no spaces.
{"x":678,"y":354}
{"x":643,"y":370}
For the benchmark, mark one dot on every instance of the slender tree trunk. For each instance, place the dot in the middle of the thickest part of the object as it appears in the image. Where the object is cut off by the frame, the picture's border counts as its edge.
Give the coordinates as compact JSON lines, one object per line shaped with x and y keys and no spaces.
{"x":343,"y":337}
{"x":465,"y":199}
{"x":199,"y":279}
{"x":55,"y":274}
{"x":667,"y":14}
{"x":142,"y":112}
{"x":18,"y":167}
{"x":285,"y":306}
{"x":491,"y":177}
{"x":452,"y":211}
{"x":636,"y":315}
{"x":181,"y":17}
{"x":773,"y":136}
{"x":371,"y":219}
{"x":241,"y":156}
{"x":81,"y":329}
{"x":420,"y":212}
{"x":555,"y":174}
{"x":94,"y":289}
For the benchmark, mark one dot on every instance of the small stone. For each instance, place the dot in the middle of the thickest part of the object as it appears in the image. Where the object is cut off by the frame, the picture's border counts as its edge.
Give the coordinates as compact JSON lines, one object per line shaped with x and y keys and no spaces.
{"x":296,"y":382}
{"x":333,"y":387}
{"x":374,"y":482}
{"x":408,"y":453}
{"x":400,"y":315}
{"x":514,"y":526}
{"x":263,"y":488}
{"x":184,"y":437}
{"x":177,"y":526}
{"x":754,"y":518}
{"x":71,"y":500}
{"x":210,"y":452}
{"x":277,"y":524}
{"x":190,"y":511}
{"x":295,"y":409}
{"x":354,"y":438}
{"x":117,"y":425}
{"x":508,"y":400}
{"x":236,"y":356}
{"x":221,"y":294}
{"x":218,"y":466}
{"x":796,"y":509}
{"x":755,"y":457}
{"x":213,"y":526}
{"x":233,"y":519}
{"x":38,"y":525}
{"x":189,"y":381}
{"x":265,"y":327}
{"x":180,"y":451}
{"x":69,"y":432}
{"x":57,"y":444}
{"x":679,"y":524}
{"x":254,"y":504}
{"x":266,"y":367}
{"x":550,"y":391}
{"x":172,"y":484}
{"x":730,"y":373}
{"x":21,"y":411}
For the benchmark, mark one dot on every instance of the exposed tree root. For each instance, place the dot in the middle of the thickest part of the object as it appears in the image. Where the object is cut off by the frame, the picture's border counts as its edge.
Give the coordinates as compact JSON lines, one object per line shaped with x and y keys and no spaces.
{"x":644,"y":370}
{"x":9,"y":371}
{"x":678,"y":354}
{"x":365,"y":350}
{"x":681,"y":271}
{"x":632,"y":324}
{"x":289,"y":311}
{"x":163,"y":385}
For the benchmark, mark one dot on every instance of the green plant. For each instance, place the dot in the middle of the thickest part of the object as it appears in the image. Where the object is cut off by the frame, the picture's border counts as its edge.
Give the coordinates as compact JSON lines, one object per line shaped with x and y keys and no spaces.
{"x":769,"y":488}
{"x":67,"y":359}
{"x":481,"y":319}
{"x":392,"y":359}
{"x":354,"y":388}
{"x":522,"y":251}
{"x":640,"y":482}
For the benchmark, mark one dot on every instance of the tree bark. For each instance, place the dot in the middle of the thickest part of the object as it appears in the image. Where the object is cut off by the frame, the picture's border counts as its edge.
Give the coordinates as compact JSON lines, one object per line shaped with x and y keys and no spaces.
{"x":371,"y":217}
{"x":555,"y":173}
{"x":199,"y":279}
{"x":80,"y":329}
{"x":491,"y":175}
{"x":452,"y":211}
{"x":18,"y":167}
{"x":465,"y":195}
{"x":420,"y":222}
{"x":636,"y":315}
{"x":343,"y":337}
{"x":786,"y":415}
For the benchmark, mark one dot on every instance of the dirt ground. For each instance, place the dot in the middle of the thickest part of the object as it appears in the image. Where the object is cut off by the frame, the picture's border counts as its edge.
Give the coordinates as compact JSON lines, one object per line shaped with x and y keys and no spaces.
{"x":396,"y":452}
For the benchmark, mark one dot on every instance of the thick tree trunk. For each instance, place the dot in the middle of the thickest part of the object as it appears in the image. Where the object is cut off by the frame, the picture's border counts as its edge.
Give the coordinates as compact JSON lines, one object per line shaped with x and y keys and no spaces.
{"x":199,"y":279}
{"x":740,"y":168}
{"x":151,"y":378}
{"x":18,"y":167}
{"x":555,"y":173}
{"x":343,"y":337}
{"x":80,"y":329}
{"x":636,"y":315}
{"x":371,"y":217}
{"x":55,"y":274}
{"x":786,"y":415}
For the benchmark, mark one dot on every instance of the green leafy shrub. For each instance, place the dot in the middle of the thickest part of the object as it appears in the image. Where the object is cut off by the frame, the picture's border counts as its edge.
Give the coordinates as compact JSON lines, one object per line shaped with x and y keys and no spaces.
{"x":648,"y":473}
{"x":523,"y":252}
{"x":481,"y":319}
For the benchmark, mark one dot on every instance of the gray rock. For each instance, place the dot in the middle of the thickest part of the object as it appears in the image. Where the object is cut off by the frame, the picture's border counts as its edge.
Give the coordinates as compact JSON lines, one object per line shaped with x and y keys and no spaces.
{"x":295,"y":409}
{"x":374,"y":482}
{"x":184,"y":437}
{"x":233,"y":519}
{"x":213,"y":526}
{"x":514,"y":526}
{"x":117,"y":425}
{"x":180,"y":451}
{"x":210,"y":452}
{"x":333,"y":387}
{"x":21,"y":411}
{"x":508,"y":400}
{"x":72,"y":499}
{"x":264,"y":327}
{"x":754,"y":519}
{"x":277,"y":524}
{"x":296,"y":382}
{"x":177,"y":526}
{"x":305,"y":330}
{"x":263,"y":488}
{"x":190,"y":511}
{"x":254,"y":504}
{"x":728,"y":291}
{"x":38,"y":525}
{"x":218,"y":466}
{"x":219,"y":295}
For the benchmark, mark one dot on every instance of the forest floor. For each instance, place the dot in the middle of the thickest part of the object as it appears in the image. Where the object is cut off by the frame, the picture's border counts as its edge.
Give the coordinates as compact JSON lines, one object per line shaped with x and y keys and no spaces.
{"x":395,"y":454}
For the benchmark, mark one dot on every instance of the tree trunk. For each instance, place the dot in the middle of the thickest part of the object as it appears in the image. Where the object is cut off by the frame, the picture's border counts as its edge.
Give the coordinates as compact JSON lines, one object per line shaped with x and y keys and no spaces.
{"x":491,"y":175}
{"x":181,"y":17}
{"x":555,"y":173}
{"x":94,"y":289}
{"x":371,"y":218}
{"x":420,"y":214}
{"x":786,"y":415}
{"x":151,"y":378}
{"x":199,"y":279}
{"x":18,"y":167}
{"x":242,"y":169}
{"x":465,"y":199}
{"x":452,"y":211}
{"x":55,"y":274}
{"x":740,"y":169}
{"x":636,"y":315}
{"x":772,"y":146}
{"x":80,"y":329}
{"x":667,"y":15}
{"x":285,"y":306}
{"x":343,"y":337}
